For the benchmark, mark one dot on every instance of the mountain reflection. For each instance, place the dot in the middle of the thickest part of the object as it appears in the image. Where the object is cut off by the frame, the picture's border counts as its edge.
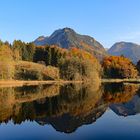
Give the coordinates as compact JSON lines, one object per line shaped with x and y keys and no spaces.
{"x":132,"y":104}
{"x":67,"y":107}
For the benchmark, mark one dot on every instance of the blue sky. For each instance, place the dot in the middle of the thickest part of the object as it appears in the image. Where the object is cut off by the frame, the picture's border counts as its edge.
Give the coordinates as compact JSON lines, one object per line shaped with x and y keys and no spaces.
{"x":108,"y":21}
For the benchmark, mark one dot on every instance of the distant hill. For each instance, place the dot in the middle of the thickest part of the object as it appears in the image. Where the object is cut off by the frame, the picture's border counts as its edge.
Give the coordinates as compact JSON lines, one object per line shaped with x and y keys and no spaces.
{"x":67,"y":38}
{"x":128,"y":49}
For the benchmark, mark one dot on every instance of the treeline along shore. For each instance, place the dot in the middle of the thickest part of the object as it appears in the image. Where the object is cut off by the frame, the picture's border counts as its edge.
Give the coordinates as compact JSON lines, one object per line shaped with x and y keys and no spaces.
{"x":26,"y":62}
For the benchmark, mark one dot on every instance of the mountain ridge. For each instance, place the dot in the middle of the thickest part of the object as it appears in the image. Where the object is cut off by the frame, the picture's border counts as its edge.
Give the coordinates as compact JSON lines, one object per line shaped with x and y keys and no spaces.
{"x":128,"y":49}
{"x":67,"y":38}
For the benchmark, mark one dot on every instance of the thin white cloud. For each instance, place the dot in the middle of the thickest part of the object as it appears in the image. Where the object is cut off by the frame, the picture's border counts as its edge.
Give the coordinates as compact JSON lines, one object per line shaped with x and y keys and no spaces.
{"x":130,"y":36}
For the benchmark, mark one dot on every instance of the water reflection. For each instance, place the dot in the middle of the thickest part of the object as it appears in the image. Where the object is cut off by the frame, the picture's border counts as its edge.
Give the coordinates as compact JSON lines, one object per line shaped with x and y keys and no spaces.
{"x":67,"y":107}
{"x":131,"y":106}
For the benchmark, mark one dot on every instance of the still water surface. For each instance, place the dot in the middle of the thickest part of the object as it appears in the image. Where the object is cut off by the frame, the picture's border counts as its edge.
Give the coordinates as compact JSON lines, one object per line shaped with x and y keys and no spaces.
{"x":73,"y":111}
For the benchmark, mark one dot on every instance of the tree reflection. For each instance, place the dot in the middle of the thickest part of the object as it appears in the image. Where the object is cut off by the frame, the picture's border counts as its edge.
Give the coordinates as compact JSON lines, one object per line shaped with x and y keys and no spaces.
{"x":119,"y":92}
{"x":65,"y":107}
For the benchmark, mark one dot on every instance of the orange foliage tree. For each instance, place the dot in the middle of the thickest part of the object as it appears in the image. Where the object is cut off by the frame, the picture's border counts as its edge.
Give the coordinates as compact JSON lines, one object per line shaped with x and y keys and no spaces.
{"x":79,"y":65}
{"x":118,"y":67}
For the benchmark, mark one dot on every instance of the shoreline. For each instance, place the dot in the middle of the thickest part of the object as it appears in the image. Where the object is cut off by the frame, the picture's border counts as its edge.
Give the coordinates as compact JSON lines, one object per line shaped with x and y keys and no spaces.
{"x":120,"y":80}
{"x":19,"y":83}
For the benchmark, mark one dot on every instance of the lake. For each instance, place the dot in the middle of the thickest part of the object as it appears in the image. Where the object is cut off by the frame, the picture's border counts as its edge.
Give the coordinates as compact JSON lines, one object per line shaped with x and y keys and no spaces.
{"x":73,"y":111}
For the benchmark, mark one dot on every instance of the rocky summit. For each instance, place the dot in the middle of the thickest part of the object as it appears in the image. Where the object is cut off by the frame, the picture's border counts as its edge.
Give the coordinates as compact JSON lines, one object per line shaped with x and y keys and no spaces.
{"x":67,"y":38}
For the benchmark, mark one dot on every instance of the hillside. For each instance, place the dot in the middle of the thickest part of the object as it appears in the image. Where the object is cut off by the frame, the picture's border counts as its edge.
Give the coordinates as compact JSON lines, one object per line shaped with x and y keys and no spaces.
{"x":128,"y":49}
{"x":67,"y":38}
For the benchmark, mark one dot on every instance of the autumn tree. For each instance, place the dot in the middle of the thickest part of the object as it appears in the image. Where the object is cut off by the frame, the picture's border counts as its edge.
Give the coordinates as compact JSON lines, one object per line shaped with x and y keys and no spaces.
{"x":6,"y":53}
{"x":20,"y":46}
{"x":30,"y":47}
{"x":138,"y":66}
{"x":23,"y":51}
{"x":6,"y":62}
{"x":1,"y":43}
{"x":79,"y":65}
{"x":118,"y":67}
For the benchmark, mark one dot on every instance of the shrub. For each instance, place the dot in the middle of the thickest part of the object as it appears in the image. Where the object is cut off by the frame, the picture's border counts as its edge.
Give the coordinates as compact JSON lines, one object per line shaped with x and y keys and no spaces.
{"x":50,"y":73}
{"x":70,"y":69}
{"x":33,"y":71}
{"x":6,"y":70}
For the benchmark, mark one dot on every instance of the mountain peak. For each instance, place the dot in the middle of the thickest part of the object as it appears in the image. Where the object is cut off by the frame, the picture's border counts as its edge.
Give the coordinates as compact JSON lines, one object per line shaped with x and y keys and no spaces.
{"x":67,"y":38}
{"x":62,"y":31}
{"x":128,"y":49}
{"x":40,"y":38}
{"x":67,"y":29}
